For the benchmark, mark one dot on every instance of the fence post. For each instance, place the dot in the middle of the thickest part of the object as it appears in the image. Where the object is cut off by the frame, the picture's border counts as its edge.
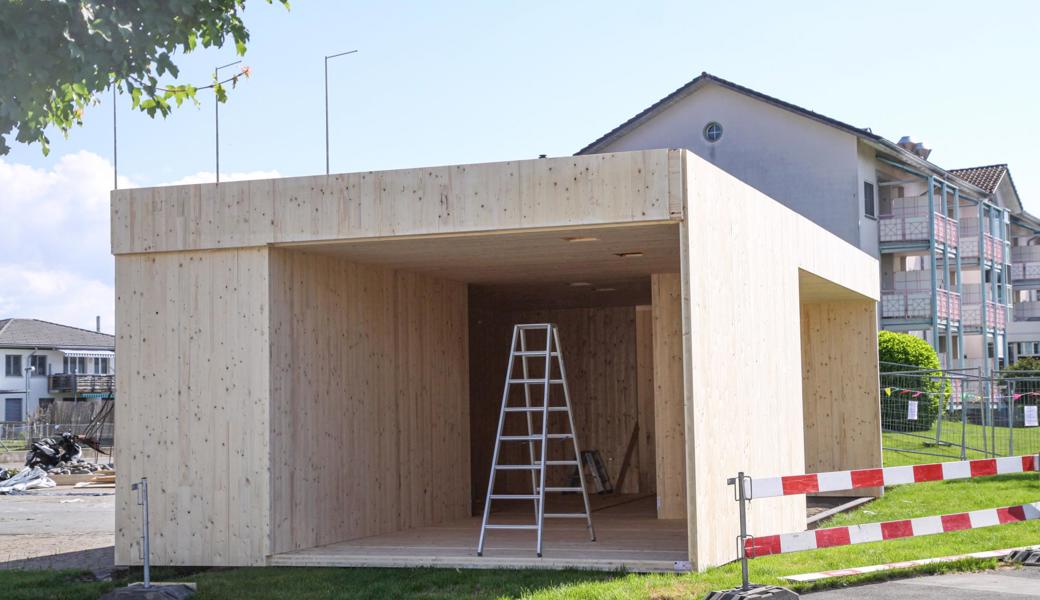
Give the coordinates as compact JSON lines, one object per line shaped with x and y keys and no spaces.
{"x":742,"y":499}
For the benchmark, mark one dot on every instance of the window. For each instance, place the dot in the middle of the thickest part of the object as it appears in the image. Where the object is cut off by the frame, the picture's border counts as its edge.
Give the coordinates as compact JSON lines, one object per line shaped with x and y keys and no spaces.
{"x":13,"y":365}
{"x":39,"y":363}
{"x":101,"y":366}
{"x":75,"y":364}
{"x":713,"y":132}
{"x":46,"y":403}
{"x":1036,"y":347}
{"x":13,"y":408}
{"x":868,"y":200}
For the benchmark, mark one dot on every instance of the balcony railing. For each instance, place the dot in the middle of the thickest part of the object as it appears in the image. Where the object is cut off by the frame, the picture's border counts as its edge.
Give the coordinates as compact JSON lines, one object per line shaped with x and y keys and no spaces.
{"x":917,"y":304}
{"x":996,"y":315}
{"x":914,"y":228}
{"x":994,"y":248}
{"x":1027,"y":311}
{"x":69,"y":383}
{"x":1025,"y":263}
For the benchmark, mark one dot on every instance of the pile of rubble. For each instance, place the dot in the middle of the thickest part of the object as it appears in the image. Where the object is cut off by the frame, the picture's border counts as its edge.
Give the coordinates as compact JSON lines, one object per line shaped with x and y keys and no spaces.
{"x":79,"y":467}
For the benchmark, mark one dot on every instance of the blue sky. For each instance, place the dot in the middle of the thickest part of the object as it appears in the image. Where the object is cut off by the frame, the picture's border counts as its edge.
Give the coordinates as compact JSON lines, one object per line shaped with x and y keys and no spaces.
{"x":448,"y":82}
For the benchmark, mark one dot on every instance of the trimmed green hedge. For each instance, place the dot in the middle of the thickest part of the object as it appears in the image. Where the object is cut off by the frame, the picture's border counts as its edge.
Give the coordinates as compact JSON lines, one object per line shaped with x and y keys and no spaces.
{"x":910,"y":353}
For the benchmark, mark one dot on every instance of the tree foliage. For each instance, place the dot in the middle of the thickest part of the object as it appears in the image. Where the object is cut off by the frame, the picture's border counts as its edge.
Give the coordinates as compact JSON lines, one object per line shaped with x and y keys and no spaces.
{"x":911,"y":365}
{"x":56,"y":56}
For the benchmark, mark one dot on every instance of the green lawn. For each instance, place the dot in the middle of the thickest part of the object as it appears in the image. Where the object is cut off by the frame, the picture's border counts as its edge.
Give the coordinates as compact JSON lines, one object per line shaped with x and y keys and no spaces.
{"x":436,"y":584}
{"x":1026,"y":441}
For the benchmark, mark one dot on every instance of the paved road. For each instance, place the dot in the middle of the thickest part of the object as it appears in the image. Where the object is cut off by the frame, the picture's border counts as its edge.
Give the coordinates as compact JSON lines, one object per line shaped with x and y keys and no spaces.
{"x":1014,"y":584}
{"x":59,"y":527}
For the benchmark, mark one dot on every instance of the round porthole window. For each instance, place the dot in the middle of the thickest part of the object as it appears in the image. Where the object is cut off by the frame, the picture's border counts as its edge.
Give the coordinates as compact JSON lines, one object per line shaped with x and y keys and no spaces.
{"x":713,"y":132}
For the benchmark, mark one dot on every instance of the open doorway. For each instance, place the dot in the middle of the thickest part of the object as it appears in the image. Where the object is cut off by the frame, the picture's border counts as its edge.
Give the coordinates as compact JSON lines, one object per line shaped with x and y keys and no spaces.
{"x":420,"y":329}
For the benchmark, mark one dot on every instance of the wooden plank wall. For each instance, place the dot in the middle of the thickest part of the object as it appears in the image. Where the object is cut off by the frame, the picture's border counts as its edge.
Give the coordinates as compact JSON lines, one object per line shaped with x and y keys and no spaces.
{"x":369,"y":384}
{"x":600,"y":350}
{"x":669,"y":396}
{"x":840,"y":398}
{"x":555,"y":192}
{"x":743,"y":255}
{"x":191,"y":335}
{"x":645,"y":395}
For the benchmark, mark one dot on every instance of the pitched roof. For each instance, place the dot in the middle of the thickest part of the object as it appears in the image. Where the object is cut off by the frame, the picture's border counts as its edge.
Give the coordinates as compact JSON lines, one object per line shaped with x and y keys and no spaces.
{"x":33,"y":333}
{"x":986,"y":177}
{"x":695,"y":84}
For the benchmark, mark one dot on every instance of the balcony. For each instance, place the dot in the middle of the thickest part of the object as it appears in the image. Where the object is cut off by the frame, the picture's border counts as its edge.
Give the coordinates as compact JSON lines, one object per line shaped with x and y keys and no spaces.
{"x":66,"y":383}
{"x":996,"y":315}
{"x":914,"y":228}
{"x":1025,"y":263}
{"x":1027,"y":311}
{"x":917,"y":305}
{"x":993,"y":247}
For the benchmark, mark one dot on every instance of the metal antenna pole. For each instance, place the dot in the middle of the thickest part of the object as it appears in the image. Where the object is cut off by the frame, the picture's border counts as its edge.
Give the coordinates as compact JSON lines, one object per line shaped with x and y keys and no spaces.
{"x":115,"y":147}
{"x":327,"y":104}
{"x":216,"y":110}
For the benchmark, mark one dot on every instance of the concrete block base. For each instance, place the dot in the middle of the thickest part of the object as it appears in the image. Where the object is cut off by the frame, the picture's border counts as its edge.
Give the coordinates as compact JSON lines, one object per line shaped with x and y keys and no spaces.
{"x":157,"y":591}
{"x":755,"y":592}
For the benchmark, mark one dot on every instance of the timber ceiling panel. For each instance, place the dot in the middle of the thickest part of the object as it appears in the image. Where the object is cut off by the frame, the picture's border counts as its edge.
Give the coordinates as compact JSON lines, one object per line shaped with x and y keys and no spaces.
{"x":524,"y":257}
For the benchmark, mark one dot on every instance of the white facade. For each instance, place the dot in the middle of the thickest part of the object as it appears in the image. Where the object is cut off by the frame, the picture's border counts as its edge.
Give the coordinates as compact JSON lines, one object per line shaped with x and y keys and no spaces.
{"x":12,"y":386}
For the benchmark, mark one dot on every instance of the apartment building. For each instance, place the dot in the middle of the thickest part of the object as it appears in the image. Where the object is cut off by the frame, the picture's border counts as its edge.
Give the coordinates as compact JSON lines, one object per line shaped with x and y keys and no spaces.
{"x":950,"y":243}
{"x":46,"y":362}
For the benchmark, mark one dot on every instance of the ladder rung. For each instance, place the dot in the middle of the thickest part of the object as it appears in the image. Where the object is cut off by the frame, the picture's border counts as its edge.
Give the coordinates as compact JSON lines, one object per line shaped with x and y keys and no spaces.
{"x":560,"y":436}
{"x":490,"y":526}
{"x":565,"y":515}
{"x":533,"y":380}
{"x":535,"y":326}
{"x":534,"y":353}
{"x":535,"y":409}
{"x":521,"y":438}
{"x":562,"y":489}
{"x":515,"y":496}
{"x":561,"y":463}
{"x":518,"y":467}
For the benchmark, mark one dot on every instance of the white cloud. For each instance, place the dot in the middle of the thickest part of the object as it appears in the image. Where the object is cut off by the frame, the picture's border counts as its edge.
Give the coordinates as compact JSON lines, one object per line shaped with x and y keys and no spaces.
{"x":56,"y":295}
{"x":55,"y":261}
{"x":210,"y":177}
{"x":55,"y":253}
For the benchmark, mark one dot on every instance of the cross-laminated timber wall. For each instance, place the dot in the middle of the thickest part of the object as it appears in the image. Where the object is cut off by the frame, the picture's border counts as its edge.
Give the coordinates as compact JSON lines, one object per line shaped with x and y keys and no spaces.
{"x":222,"y":311}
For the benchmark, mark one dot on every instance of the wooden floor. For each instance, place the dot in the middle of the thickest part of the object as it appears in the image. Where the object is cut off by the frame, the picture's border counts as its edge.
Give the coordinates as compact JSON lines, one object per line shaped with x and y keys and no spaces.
{"x":628,"y":536}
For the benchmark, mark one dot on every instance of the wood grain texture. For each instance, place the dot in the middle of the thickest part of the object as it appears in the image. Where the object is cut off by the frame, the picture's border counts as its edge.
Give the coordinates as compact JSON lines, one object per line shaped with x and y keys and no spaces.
{"x":645,"y":398}
{"x":669,"y":396}
{"x":370,"y":419}
{"x":579,"y":190}
{"x":600,"y":355}
{"x":841,"y":405}
{"x":743,"y":258}
{"x":191,"y":334}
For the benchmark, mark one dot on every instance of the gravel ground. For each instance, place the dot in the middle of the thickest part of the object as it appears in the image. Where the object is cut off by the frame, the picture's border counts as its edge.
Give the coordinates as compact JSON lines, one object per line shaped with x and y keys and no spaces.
{"x":60,"y":527}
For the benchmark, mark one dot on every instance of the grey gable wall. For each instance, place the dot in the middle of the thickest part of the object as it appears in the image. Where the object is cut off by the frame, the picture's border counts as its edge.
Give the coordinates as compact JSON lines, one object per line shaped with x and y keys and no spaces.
{"x":808,"y":166}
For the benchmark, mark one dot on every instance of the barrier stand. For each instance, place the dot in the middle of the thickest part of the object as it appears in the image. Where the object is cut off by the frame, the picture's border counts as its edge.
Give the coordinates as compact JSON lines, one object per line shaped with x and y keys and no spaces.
{"x":743,"y":493}
{"x":792,"y":485}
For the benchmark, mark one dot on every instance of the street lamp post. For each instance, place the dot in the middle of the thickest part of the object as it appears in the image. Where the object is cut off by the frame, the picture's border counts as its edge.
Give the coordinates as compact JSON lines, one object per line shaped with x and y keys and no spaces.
{"x":327,"y":104}
{"x":216,"y":110}
{"x":25,"y":403}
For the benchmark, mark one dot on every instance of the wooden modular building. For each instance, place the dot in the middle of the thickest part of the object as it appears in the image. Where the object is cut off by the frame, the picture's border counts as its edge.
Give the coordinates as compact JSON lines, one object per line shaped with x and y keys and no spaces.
{"x":311,"y":367}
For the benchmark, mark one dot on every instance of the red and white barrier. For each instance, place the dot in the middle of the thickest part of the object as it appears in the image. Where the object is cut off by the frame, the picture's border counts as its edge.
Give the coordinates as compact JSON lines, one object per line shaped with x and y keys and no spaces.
{"x":839,"y":481}
{"x":888,"y":530}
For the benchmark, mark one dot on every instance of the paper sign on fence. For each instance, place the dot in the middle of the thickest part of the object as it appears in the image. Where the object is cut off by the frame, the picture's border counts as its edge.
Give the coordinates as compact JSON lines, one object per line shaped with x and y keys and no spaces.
{"x":911,"y":410}
{"x":1031,"y":416}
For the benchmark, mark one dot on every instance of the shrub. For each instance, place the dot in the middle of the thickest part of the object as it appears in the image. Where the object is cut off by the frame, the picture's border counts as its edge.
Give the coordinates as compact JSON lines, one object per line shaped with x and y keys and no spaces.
{"x":902,"y":352}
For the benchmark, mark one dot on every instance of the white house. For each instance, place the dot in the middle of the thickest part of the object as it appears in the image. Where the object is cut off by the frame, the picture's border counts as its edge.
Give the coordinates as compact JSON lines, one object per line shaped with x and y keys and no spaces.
{"x":943,"y":238}
{"x":52,"y":362}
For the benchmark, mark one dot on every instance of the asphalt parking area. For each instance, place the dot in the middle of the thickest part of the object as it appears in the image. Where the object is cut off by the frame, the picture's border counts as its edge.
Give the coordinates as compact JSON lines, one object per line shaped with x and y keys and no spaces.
{"x":1004,"y":583}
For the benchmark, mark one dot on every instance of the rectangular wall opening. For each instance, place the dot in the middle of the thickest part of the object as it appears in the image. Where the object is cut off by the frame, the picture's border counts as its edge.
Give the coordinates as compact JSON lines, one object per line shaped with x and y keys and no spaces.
{"x":395,"y":355}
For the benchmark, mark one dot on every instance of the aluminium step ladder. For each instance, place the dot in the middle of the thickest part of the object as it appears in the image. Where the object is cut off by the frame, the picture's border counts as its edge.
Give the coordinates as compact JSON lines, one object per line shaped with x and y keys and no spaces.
{"x":537,"y":442}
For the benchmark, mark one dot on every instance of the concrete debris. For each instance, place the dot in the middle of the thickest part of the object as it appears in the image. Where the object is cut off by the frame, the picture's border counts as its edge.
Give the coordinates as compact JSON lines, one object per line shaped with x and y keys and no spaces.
{"x":26,"y":479}
{"x":79,"y":467}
